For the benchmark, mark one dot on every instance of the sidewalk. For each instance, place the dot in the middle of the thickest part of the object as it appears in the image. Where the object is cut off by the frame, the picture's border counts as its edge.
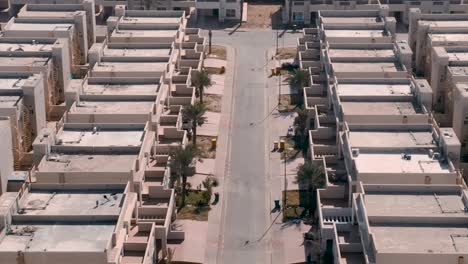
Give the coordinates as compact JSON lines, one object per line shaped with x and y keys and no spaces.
{"x":287,"y":238}
{"x":191,"y":249}
{"x":202,"y":237}
{"x":215,"y":215}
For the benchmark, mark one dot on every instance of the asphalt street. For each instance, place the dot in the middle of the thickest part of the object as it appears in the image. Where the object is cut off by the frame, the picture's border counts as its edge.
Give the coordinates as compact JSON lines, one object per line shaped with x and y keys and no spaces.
{"x":245,"y":217}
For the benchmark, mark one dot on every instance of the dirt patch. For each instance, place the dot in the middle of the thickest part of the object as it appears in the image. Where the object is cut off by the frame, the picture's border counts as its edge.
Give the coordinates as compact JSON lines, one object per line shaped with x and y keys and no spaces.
{"x":285,"y":104}
{"x":286,"y":53}
{"x":204,"y":144}
{"x":193,"y":213}
{"x":292,"y":151}
{"x":288,"y":102}
{"x":212,"y":102}
{"x":296,"y":204}
{"x":218,"y":52}
{"x":213,"y":70}
{"x":263,"y":15}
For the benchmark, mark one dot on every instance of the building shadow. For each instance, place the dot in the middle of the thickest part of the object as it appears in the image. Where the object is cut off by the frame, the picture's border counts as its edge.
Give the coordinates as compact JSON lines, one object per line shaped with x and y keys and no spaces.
{"x":277,"y":20}
{"x":211,"y":22}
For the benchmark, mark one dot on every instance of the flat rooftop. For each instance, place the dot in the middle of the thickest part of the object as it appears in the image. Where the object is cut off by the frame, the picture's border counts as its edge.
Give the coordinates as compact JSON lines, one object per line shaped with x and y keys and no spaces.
{"x":354,"y":33}
{"x":366,"y":67}
{"x":463,"y":88}
{"x":459,"y":70}
{"x":113,"y":107}
{"x":361,"y":53}
{"x":9,"y":101}
{"x":24,"y":61}
{"x":149,"y":20}
{"x":420,"y":239}
{"x":378,"y":108}
{"x":133,"y":35}
{"x":48,"y":14}
{"x":350,"y":90}
{"x":57,"y":237}
{"x":414,"y":204}
{"x":9,"y":84}
{"x":28,"y":27}
{"x":102,"y":138}
{"x":449,"y":38}
{"x":69,"y":202}
{"x":391,"y":139}
{"x":122,"y":89}
{"x":128,"y":69}
{"x":447,"y":24}
{"x":10,"y":47}
{"x":87,"y":163}
{"x":158,"y":53}
{"x":457,"y":56}
{"x":393,"y":162}
{"x":351,"y":20}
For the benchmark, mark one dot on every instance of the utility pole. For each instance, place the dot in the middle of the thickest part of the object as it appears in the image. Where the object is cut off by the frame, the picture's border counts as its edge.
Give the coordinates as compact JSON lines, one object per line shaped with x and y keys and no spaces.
{"x":210,"y":34}
{"x":285,"y":187}
{"x":241,"y":12}
{"x":279,"y":88}
{"x":277,"y":37}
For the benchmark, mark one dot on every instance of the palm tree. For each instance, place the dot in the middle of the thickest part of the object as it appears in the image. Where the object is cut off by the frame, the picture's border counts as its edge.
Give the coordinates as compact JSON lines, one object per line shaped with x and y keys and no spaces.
{"x":313,"y":177}
{"x":300,"y":125}
{"x":201,"y":80}
{"x":180,"y":162}
{"x":298,"y":78}
{"x":196,"y":115}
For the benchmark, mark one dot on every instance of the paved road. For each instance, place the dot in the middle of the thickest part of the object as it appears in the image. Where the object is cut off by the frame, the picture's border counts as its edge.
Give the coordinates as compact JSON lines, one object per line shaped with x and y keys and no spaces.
{"x":246,"y":209}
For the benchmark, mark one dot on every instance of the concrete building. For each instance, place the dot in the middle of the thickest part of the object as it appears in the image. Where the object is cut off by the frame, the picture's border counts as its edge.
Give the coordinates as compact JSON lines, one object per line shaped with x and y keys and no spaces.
{"x":222,"y":10}
{"x":22,"y":101}
{"x":7,"y":160}
{"x":306,"y":12}
{"x":371,"y":125}
{"x":56,"y":223}
{"x":122,"y":120}
{"x":427,"y":31}
{"x":70,"y":26}
{"x":49,"y":57}
{"x":64,"y":10}
{"x":439,"y":41}
{"x":404,"y":223}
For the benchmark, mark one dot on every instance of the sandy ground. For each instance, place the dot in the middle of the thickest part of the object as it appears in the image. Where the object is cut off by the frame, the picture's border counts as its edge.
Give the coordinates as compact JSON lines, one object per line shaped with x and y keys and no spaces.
{"x":262,"y":15}
{"x":212,"y":102}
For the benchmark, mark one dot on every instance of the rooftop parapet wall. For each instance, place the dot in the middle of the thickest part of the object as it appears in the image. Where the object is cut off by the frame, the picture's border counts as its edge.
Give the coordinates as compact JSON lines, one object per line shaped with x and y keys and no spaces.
{"x":26,"y":55}
{"x":85,"y":5}
{"x":103,"y":228}
{"x":79,"y":41}
{"x":115,"y":100}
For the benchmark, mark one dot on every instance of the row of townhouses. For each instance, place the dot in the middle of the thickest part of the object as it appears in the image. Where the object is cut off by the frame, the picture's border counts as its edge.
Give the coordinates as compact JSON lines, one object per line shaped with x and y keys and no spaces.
{"x":393,"y":190}
{"x":87,"y":126}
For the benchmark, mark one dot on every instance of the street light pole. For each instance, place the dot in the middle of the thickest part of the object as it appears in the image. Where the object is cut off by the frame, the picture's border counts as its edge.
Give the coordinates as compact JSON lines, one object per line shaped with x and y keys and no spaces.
{"x":279,"y":88}
{"x":241,"y":12}
{"x":277,"y":36}
{"x":210,"y":34}
{"x":285,"y":184}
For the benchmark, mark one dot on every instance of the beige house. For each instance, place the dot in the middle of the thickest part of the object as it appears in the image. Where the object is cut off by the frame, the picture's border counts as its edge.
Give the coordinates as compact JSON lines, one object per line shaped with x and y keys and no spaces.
{"x":22,"y":101}
{"x":104,"y":165}
{"x":73,"y":223}
{"x":306,"y":12}
{"x":371,"y":129}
